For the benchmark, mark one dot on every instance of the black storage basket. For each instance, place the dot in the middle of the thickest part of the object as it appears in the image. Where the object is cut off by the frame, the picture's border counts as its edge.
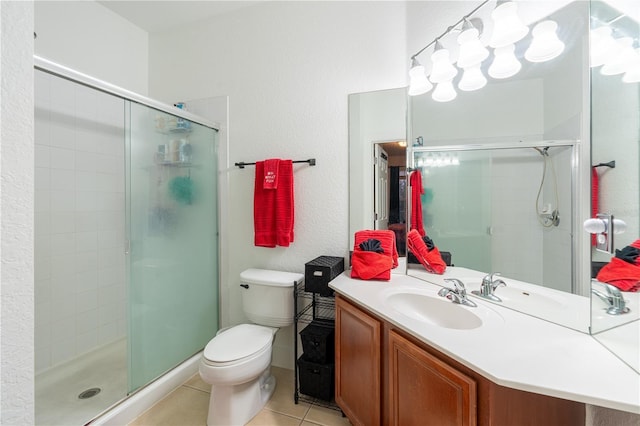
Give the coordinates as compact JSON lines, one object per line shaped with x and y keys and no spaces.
{"x":318,"y":341}
{"x":321,"y":270}
{"x":316,"y":379}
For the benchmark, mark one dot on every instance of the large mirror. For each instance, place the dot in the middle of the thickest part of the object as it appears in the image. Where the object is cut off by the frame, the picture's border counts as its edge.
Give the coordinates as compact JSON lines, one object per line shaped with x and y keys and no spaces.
{"x":512,"y":203}
{"x":377,"y":144}
{"x":615,"y":123}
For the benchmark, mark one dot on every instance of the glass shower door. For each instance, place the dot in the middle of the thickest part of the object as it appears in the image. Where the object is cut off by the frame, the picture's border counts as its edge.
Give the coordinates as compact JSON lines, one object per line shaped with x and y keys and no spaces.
{"x":456,"y":205}
{"x":173,"y":247}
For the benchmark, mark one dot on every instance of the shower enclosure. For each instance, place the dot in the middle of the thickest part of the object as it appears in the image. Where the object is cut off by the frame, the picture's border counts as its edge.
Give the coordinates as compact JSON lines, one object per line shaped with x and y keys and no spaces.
{"x":126,"y":251}
{"x":504,"y":208}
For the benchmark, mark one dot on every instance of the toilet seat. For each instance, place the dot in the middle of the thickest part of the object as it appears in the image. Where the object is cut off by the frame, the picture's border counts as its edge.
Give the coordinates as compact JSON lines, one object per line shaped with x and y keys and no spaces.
{"x":238,"y":344}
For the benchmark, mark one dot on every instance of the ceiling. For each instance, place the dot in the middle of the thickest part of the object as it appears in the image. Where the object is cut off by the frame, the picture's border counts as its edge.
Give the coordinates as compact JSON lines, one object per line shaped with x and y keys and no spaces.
{"x":155,"y":15}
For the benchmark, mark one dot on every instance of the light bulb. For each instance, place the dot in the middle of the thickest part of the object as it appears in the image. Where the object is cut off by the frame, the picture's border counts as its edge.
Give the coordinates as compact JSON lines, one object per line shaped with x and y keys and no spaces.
{"x":472,"y":79}
{"x":619,"y":226}
{"x":603,"y":46}
{"x":444,"y":92}
{"x":545,"y":44}
{"x":472,"y":52}
{"x":507,"y":26}
{"x":505,"y":64}
{"x":633,"y":72}
{"x":623,"y":58}
{"x":595,"y":226}
{"x":442,"y":69}
{"x":418,"y":82}
{"x":598,"y":226}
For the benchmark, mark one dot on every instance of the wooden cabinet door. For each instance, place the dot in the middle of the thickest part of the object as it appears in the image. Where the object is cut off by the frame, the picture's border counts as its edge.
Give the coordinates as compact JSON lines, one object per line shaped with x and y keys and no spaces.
{"x":358,"y":364}
{"x":424,"y":390}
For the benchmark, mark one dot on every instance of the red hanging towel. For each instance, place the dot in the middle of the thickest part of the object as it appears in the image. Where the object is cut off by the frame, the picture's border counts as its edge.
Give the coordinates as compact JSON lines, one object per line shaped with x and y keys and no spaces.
{"x":415,"y":180}
{"x":594,"y":198}
{"x":273,"y":209}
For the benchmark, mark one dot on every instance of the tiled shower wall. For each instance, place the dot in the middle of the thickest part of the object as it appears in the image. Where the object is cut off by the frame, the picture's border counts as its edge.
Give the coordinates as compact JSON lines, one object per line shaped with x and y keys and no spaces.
{"x":79,"y":220}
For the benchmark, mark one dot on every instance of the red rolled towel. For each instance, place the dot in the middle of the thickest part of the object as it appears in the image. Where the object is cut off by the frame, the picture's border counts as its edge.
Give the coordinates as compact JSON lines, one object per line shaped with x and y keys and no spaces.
{"x":369,"y":265}
{"x":624,"y":275}
{"x":430,"y":259}
{"x":386,"y":237}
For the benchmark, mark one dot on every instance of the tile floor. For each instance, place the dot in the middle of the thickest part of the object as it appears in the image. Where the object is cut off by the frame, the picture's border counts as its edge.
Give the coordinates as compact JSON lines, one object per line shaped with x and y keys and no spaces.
{"x":188,"y":405}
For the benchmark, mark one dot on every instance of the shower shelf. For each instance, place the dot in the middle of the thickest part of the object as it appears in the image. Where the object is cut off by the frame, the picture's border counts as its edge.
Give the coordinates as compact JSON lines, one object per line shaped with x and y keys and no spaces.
{"x":174,"y":164}
{"x":310,"y":307}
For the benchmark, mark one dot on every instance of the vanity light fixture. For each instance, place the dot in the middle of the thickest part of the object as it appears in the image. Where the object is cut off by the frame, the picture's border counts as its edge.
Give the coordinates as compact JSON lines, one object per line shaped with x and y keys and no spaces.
{"x":472,"y":51}
{"x":418,"y":81}
{"x":545,"y":45}
{"x":507,"y":26}
{"x":442,"y":69}
{"x":472,"y":79}
{"x":444,"y":92}
{"x":505,"y":64}
{"x":508,"y":29}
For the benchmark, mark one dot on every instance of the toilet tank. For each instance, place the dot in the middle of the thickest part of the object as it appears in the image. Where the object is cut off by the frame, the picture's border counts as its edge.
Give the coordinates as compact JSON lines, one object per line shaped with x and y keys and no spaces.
{"x":267,"y":296}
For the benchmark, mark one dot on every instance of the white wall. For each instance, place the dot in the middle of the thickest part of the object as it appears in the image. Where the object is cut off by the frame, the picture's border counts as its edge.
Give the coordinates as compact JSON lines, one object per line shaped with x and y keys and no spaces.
{"x":79,"y":220}
{"x":16,"y":214}
{"x":88,"y":37}
{"x":287,"y":68}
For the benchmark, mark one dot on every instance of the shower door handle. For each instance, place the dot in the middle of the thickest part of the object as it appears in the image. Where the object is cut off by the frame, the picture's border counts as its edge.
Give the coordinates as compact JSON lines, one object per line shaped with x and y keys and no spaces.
{"x":127,"y":247}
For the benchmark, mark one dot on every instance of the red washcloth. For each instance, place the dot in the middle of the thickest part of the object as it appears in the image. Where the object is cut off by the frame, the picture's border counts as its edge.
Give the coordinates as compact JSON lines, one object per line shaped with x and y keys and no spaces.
{"x":430,"y":259}
{"x":271,"y":173}
{"x":273,"y":209}
{"x":621,"y":274}
{"x":369,"y":265}
{"x":594,"y":198}
{"x":415,"y":180}
{"x":387,"y":240}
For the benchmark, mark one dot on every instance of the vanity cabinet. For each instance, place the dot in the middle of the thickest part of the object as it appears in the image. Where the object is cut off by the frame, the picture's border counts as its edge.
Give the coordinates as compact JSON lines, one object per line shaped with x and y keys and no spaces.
{"x":358,"y":364}
{"x":425,"y":390}
{"x":385,"y":376}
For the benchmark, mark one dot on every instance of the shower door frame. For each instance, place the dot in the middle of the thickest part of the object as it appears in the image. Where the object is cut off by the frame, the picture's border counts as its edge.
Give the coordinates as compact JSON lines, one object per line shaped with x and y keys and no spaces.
{"x":50,"y":67}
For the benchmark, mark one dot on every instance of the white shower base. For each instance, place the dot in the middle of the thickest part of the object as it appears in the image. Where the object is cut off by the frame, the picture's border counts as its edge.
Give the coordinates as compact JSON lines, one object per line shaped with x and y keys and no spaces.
{"x":139,"y":402}
{"x":57,"y":389}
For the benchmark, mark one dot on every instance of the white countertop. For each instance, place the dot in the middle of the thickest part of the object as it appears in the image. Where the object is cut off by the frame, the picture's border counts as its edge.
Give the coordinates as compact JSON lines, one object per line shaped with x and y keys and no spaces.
{"x":510,"y":348}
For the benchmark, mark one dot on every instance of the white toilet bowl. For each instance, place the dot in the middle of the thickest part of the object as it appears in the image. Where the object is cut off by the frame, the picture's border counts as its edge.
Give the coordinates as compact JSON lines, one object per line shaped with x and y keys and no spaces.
{"x":236,"y":363}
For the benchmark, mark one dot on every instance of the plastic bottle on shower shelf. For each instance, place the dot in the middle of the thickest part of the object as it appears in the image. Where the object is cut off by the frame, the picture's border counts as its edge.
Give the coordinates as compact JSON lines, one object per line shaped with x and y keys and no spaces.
{"x":185,"y":151}
{"x":182,"y":123}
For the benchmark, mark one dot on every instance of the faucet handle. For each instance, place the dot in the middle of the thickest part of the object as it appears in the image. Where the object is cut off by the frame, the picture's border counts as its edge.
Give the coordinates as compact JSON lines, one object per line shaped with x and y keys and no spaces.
{"x":458,"y":285}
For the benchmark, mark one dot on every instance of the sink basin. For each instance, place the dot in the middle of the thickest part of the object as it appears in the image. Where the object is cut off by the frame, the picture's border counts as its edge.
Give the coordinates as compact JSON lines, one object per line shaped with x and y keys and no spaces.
{"x":434,"y":311}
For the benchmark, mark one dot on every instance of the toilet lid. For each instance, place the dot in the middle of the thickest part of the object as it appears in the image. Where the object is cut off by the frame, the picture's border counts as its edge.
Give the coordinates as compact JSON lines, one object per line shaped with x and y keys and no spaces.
{"x":238,"y":342}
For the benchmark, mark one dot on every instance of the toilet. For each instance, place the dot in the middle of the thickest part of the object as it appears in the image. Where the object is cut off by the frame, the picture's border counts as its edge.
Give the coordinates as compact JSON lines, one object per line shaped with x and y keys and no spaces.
{"x":236,"y":362}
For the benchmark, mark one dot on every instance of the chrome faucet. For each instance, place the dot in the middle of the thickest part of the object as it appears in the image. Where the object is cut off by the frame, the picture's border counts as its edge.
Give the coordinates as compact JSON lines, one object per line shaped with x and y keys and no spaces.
{"x":457,"y":294}
{"x":614,"y":300}
{"x":488,"y":287}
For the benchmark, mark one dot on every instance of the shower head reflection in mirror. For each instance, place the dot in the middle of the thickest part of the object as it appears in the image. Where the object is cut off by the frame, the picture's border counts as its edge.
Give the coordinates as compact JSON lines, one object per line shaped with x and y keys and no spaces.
{"x":548,"y":214}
